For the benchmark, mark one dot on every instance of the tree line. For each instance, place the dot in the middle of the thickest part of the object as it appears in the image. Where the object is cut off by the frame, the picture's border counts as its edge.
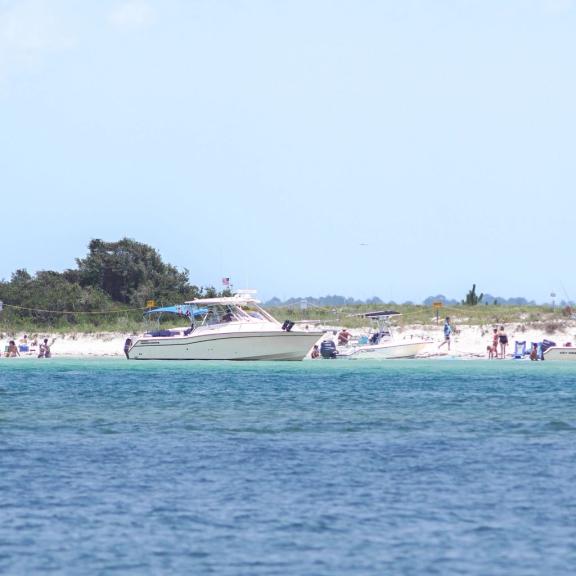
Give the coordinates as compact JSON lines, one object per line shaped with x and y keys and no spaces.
{"x":113,"y":276}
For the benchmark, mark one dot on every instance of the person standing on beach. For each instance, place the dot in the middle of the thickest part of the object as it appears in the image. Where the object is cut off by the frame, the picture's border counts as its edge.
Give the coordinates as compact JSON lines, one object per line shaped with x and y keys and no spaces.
{"x":127,"y":346}
{"x":495,"y":342}
{"x":45,"y":348}
{"x":503,"y":338}
{"x":447,"y":333}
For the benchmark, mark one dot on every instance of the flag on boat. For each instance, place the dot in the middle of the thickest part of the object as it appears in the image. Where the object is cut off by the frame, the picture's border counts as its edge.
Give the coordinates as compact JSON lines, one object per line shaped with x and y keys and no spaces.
{"x":226,"y":281}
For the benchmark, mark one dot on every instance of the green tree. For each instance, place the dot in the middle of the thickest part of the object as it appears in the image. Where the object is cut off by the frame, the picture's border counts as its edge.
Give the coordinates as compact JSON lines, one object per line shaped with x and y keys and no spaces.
{"x":472,"y":299}
{"x":131,"y":273}
{"x":49,"y":298}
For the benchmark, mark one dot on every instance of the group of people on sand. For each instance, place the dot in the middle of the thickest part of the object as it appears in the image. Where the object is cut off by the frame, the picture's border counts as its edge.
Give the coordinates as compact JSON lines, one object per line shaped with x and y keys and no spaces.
{"x":497,"y":348}
{"x":13,"y":350}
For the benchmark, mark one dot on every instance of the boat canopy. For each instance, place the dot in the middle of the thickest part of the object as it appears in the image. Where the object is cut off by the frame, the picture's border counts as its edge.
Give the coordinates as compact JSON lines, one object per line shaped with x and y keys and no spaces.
{"x":178,"y":309}
{"x":380,"y":314}
{"x":242,"y":298}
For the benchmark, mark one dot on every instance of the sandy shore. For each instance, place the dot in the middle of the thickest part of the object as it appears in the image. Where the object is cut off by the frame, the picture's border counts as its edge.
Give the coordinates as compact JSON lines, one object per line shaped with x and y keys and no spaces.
{"x":73,"y":344}
{"x":468,"y":342}
{"x":472,"y":341}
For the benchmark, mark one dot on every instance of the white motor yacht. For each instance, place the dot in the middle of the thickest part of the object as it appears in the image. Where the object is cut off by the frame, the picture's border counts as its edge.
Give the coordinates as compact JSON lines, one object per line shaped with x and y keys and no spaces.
{"x":380,"y":343}
{"x":560,"y":353}
{"x":227,"y":328}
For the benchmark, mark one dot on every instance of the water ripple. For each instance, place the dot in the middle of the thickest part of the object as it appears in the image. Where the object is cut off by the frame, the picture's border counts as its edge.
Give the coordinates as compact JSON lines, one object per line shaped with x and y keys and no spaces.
{"x":309,"y":468}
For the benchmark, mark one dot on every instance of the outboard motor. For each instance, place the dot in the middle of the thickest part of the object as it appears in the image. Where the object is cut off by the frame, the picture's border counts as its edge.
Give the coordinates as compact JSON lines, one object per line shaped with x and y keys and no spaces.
{"x":328,"y":349}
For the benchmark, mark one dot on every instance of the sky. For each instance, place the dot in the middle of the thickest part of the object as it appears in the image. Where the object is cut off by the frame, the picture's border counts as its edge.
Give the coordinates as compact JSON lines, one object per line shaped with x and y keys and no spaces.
{"x":390,"y":148}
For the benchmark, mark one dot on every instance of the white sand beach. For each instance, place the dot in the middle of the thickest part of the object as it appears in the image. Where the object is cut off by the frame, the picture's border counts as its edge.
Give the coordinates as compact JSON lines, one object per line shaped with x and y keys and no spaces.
{"x":467,"y":342}
{"x":472,"y":341}
{"x":72,"y":344}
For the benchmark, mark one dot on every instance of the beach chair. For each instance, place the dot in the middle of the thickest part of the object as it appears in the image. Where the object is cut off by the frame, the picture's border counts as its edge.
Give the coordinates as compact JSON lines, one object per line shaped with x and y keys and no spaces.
{"x":519,"y":349}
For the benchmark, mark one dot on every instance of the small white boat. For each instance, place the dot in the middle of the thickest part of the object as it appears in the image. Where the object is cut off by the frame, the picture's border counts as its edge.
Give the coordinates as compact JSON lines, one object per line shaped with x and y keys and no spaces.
{"x":227,"y":328}
{"x":380,"y":343}
{"x":560,"y":353}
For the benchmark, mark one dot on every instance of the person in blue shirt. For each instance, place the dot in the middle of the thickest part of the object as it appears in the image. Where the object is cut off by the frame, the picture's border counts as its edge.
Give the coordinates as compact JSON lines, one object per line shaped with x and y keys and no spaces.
{"x":447,"y":333}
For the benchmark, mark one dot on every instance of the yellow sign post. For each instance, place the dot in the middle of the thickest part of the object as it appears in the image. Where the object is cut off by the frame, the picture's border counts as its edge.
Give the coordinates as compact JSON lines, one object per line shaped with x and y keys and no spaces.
{"x":437,"y":305}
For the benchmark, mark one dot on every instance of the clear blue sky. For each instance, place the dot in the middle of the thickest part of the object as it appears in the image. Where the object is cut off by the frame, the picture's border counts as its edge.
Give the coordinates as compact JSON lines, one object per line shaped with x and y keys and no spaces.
{"x":372,"y":148}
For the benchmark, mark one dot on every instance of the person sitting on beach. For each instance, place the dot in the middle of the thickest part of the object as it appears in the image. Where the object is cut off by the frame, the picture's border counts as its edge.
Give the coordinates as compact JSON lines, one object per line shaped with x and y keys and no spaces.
{"x":12,"y":350}
{"x":343,"y":337}
{"x":23,"y":344}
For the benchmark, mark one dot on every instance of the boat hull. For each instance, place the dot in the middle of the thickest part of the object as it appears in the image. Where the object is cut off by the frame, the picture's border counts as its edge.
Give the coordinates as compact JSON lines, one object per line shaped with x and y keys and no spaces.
{"x":260,"y":345}
{"x":386,"y":351}
{"x":560,"y":353}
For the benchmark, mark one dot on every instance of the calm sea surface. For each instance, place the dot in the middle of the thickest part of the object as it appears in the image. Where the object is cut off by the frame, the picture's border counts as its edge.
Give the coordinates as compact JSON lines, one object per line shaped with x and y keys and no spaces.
{"x":312,"y":468}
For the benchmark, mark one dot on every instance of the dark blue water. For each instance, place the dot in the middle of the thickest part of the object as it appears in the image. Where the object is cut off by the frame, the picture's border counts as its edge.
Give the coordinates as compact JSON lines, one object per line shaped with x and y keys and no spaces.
{"x":312,"y":468}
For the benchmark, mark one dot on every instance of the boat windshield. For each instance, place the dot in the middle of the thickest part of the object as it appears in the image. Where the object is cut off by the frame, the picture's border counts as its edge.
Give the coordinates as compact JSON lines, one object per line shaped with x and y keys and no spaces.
{"x":225,"y":313}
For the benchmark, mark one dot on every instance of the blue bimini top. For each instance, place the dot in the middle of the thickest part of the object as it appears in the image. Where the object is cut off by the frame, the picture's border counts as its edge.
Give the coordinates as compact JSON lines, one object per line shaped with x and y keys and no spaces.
{"x":179,"y":309}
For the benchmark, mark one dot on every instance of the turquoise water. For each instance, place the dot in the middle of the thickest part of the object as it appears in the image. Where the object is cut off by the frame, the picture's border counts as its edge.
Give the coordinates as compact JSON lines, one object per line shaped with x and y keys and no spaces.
{"x":311,"y":468}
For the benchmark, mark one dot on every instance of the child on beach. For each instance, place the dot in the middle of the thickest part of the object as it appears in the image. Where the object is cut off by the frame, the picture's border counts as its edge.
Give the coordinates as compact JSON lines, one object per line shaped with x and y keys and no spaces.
{"x":495,"y":343}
